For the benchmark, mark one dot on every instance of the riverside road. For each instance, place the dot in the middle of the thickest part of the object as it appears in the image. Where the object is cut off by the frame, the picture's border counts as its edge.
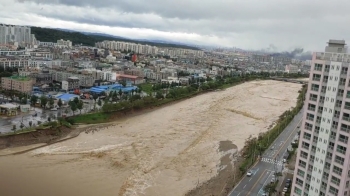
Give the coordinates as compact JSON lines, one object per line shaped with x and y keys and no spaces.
{"x":271,"y":161}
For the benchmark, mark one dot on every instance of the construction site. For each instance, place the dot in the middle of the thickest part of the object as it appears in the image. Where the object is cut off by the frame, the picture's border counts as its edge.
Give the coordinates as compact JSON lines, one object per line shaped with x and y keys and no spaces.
{"x":168,"y":151}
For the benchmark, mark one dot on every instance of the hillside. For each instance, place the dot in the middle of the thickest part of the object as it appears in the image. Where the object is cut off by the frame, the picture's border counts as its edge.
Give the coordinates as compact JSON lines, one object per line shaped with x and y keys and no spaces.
{"x":52,"y":35}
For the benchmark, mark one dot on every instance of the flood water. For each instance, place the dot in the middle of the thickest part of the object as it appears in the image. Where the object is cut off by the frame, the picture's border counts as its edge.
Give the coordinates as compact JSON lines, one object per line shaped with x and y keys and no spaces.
{"x":164,"y":152}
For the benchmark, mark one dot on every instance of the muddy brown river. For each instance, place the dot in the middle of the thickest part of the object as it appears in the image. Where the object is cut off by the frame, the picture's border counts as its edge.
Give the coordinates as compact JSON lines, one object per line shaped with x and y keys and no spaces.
{"x":164,"y":152}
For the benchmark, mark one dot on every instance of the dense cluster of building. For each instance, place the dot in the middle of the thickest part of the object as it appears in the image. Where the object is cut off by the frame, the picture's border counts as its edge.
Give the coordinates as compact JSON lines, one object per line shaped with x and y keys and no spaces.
{"x":62,"y":65}
{"x":146,"y":49}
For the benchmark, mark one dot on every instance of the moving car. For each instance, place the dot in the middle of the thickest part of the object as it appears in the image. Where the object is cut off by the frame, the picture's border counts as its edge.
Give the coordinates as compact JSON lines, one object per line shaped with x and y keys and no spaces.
{"x":249,"y":173}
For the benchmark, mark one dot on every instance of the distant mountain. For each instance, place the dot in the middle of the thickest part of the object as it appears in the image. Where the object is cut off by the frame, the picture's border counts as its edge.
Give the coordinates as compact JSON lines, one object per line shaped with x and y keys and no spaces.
{"x":89,"y":39}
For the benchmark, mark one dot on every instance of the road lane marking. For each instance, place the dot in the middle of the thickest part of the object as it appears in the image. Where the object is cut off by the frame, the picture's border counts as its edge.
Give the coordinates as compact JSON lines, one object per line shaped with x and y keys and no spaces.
{"x":250,"y":180}
{"x":257,"y":181}
{"x":269,"y":175}
{"x":244,"y":186}
{"x":238,"y":194}
{"x":276,"y":154}
{"x":288,"y":138}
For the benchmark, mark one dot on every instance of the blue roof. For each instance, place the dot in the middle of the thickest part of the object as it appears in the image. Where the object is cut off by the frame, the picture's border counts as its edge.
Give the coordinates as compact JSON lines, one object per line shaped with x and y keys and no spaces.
{"x":128,"y":89}
{"x":66,"y":97}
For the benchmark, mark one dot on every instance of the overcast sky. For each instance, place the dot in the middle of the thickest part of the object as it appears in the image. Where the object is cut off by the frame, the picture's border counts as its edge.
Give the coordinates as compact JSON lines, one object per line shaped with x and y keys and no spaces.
{"x":248,"y":24}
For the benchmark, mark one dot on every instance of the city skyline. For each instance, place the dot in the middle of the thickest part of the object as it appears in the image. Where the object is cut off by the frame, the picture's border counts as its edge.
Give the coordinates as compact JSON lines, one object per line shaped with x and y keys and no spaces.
{"x":247,"y":25}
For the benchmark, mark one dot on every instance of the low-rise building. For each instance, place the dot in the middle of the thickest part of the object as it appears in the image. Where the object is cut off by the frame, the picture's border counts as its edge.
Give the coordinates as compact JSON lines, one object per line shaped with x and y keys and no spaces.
{"x":130,"y":79}
{"x":72,"y":83}
{"x":18,"y":83}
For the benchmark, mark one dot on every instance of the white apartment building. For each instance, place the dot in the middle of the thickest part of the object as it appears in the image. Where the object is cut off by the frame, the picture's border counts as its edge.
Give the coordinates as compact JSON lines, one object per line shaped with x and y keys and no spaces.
{"x":64,"y":43}
{"x":12,"y":33}
{"x":323,"y":157}
{"x":7,"y":62}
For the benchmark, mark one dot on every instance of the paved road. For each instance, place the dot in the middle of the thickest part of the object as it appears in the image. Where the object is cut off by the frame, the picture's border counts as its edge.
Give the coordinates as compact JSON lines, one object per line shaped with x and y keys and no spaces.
{"x":263,"y":171}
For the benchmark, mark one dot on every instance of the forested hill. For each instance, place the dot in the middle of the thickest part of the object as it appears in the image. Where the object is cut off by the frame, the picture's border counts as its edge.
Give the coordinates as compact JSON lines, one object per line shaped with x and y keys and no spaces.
{"x":52,"y":35}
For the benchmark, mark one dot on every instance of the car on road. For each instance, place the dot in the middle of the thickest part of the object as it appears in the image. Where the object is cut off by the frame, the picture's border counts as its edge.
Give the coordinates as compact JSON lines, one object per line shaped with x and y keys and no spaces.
{"x":249,"y":173}
{"x":284,"y":160}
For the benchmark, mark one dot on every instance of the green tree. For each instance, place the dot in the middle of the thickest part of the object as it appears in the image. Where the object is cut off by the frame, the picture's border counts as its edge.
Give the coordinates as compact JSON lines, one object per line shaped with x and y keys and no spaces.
{"x":99,"y":102}
{"x":270,"y":188}
{"x":132,"y":91}
{"x":59,"y":103}
{"x":120,"y":92}
{"x":123,"y":83}
{"x":159,"y":95}
{"x":76,"y":100}
{"x":80,"y":105}
{"x":51,"y":102}
{"x":33,"y":100}
{"x":14,"y":128}
{"x":95,"y":96}
{"x":73,"y":106}
{"x":43,"y":101}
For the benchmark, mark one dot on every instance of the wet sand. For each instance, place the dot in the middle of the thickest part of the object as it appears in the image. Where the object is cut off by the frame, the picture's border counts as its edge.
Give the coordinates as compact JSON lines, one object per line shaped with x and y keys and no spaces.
{"x":165,"y":152}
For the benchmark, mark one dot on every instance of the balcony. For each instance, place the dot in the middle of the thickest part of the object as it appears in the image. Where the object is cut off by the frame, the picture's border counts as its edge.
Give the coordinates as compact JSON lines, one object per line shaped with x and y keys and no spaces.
{"x":347,"y":95}
{"x":345,"y":141}
{"x":306,"y":137}
{"x":332,"y":137}
{"x":325,"y":81}
{"x":346,"y":118}
{"x":318,"y":121}
{"x":305,"y":147}
{"x":347,"y":130}
{"x":323,"y":91}
{"x":340,"y":94}
{"x":341,"y":151}
{"x":315,"y":89}
{"x":313,"y":99}
{"x":339,"y":161}
{"x":310,"y":118}
{"x":326,"y":70}
{"x":347,"y":107}
{"x":311,"y":108}
{"x":318,"y":69}
{"x":316,"y":79}
{"x":342,"y":84}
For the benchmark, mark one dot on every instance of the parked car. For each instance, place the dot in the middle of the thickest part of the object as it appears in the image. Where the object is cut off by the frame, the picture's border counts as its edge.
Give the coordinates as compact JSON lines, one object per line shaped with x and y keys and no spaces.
{"x":288,"y":180}
{"x":53,"y":109}
{"x":285,"y":189}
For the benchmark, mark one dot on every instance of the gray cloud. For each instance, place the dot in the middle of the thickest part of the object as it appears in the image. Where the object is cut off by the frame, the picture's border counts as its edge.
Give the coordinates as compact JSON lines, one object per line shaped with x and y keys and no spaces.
{"x":243,"y":23}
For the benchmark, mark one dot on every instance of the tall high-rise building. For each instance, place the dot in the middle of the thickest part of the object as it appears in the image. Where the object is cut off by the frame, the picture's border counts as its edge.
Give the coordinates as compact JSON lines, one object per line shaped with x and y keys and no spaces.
{"x":323,"y":159}
{"x":20,"y":34}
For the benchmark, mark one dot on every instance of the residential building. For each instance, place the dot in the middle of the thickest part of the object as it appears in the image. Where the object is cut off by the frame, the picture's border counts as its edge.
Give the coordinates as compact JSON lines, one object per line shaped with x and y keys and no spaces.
{"x":64,"y":43}
{"x":72,"y":83}
{"x":7,"y":62}
{"x":130,"y":79}
{"x":291,"y":69}
{"x":18,"y":83}
{"x":323,"y":157}
{"x":13,"y":33}
{"x":84,"y":80}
